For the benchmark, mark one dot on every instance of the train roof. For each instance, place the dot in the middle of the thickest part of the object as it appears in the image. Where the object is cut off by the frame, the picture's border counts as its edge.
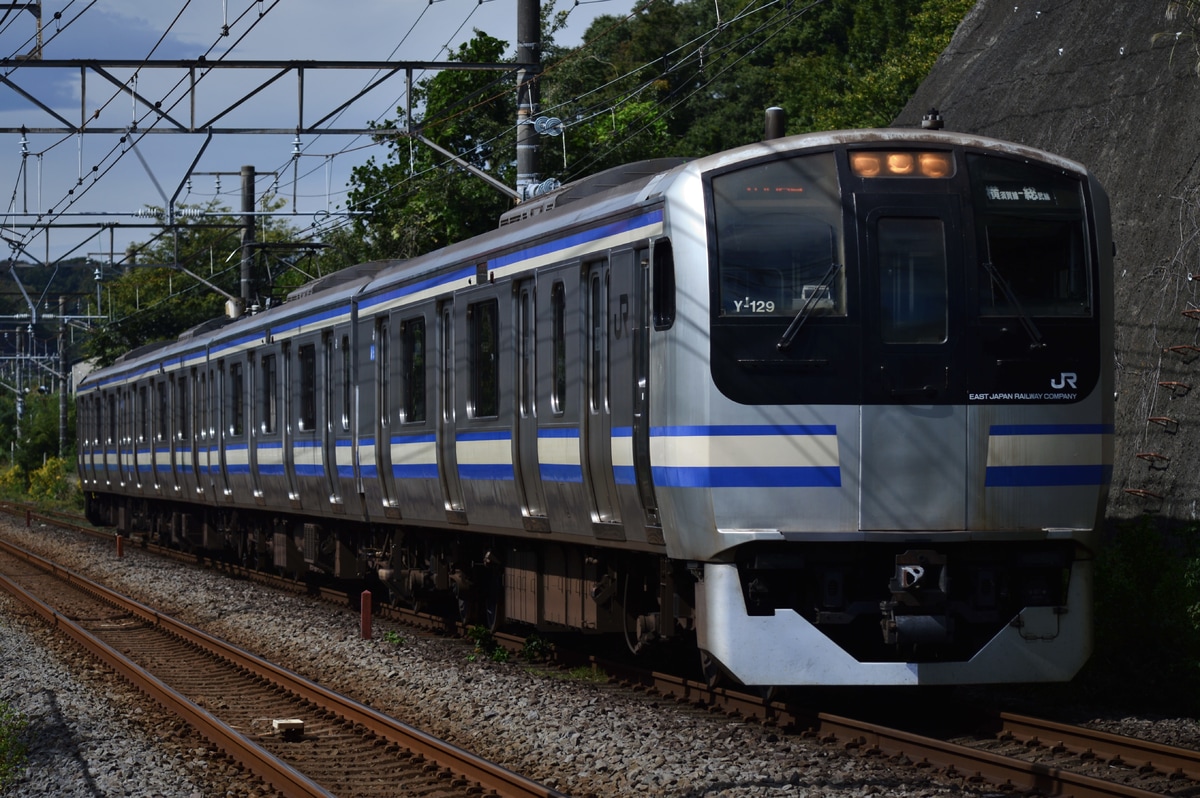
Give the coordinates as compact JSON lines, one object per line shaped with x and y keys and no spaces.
{"x":610,"y":192}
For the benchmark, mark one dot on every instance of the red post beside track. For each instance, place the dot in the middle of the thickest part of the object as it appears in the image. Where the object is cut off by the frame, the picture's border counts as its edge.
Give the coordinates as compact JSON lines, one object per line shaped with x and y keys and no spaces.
{"x":364,"y":620}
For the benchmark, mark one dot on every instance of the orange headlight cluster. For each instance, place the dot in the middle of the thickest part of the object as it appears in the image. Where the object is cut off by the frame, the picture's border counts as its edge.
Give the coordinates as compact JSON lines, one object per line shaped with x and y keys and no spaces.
{"x":872,"y":163}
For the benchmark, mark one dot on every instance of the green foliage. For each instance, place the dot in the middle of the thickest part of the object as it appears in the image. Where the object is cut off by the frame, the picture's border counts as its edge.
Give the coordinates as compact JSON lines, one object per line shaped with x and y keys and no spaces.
{"x":152,"y":300}
{"x":418,"y":200}
{"x":1148,"y":616}
{"x":49,"y":483}
{"x":13,"y":748}
{"x":13,"y":483}
{"x":672,"y":80}
{"x":536,"y":649}
{"x":486,"y":645}
{"x":39,"y":426}
{"x":392,"y":637}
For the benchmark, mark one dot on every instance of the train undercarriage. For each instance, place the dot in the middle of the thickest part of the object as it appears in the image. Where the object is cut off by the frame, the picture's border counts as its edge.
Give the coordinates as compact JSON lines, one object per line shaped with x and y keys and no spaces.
{"x":477,"y":579}
{"x":877,"y":602}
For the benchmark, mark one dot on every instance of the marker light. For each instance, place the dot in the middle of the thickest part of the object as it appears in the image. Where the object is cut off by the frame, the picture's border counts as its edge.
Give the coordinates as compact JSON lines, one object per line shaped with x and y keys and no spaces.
{"x":901,"y":164}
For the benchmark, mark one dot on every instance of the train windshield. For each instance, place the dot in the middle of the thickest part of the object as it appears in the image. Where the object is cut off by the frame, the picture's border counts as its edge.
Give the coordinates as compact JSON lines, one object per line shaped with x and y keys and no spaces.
{"x":779,"y":243}
{"x":1030,"y":224}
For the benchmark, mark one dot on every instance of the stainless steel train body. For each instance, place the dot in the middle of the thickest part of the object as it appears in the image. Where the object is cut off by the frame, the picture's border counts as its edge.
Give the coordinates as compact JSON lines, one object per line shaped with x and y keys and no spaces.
{"x":836,"y":407}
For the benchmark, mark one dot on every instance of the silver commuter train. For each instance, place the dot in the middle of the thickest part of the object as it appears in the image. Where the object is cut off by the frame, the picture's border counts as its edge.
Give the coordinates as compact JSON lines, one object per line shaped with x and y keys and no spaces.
{"x":835,"y":408}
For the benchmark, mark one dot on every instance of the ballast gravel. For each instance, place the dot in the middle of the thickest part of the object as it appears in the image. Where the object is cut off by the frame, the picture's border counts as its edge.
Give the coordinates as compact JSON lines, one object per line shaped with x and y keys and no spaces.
{"x":582,"y":738}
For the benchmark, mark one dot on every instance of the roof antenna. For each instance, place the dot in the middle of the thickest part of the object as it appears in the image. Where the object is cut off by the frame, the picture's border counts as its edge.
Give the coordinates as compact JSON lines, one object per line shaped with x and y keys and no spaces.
{"x":933,"y":120}
{"x":775,"y":125}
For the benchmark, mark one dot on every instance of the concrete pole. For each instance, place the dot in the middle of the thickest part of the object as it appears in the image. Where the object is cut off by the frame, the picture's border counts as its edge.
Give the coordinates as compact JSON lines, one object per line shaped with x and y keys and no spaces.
{"x":248,"y":235}
{"x":63,"y":382}
{"x":529,"y":51}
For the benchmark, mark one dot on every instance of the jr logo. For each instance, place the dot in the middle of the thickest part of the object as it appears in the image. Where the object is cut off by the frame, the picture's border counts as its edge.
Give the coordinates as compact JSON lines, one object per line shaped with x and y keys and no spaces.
{"x":1064,"y":379}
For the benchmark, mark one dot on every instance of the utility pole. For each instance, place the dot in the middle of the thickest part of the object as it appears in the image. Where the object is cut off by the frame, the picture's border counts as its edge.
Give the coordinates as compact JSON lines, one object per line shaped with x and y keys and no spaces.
{"x":247,"y":236}
{"x":63,"y":381}
{"x":529,"y":51}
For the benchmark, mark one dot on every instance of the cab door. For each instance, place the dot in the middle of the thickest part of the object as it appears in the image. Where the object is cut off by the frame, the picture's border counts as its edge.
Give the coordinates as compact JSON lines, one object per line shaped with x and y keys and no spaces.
{"x":914,"y":424}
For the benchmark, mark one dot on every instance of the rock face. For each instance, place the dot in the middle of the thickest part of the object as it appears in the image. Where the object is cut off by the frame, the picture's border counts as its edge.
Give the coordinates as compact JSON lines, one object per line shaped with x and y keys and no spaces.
{"x":1115,"y":86}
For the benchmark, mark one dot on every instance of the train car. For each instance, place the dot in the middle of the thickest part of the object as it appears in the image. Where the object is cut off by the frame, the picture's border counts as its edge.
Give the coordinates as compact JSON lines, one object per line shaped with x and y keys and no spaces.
{"x":833,"y":408}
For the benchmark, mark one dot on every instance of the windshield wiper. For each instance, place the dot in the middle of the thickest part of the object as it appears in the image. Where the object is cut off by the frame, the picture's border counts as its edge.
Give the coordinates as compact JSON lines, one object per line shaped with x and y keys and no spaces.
{"x":1035,"y":336}
{"x":820,"y":290}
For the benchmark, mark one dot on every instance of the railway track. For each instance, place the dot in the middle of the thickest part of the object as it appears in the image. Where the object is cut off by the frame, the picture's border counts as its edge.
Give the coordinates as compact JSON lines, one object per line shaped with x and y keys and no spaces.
{"x":1014,"y":752}
{"x":247,"y":706}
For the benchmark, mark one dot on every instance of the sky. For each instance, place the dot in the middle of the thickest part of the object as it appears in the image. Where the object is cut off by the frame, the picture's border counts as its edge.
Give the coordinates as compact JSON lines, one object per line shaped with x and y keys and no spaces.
{"x":83,"y":181}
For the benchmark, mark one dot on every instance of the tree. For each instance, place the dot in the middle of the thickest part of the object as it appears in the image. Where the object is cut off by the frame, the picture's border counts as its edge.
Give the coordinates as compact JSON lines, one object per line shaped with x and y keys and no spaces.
{"x":416,"y":199}
{"x":673,"y":79}
{"x":151,"y":300}
{"x":39,"y":430}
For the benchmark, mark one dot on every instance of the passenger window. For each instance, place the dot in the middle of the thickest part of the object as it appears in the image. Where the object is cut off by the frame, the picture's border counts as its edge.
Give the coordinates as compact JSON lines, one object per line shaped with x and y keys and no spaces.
{"x":184,"y":408}
{"x":383,"y":366}
{"x":163,"y":415}
{"x":558,"y":390}
{"x":237,"y":401}
{"x":413,"y":357}
{"x":485,"y":365}
{"x":308,"y":388}
{"x":143,"y":415}
{"x":270,"y":397}
{"x":345,"y":383}
{"x":202,"y":408}
{"x":913,"y":302}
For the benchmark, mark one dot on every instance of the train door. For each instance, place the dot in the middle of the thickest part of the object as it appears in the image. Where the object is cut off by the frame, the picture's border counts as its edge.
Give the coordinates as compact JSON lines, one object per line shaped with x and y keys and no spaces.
{"x":162,"y":442}
{"x":640,"y":341}
{"x":287,"y":426}
{"x":178,"y":435}
{"x":597,"y":417}
{"x":913,"y":328}
{"x":447,"y":458}
{"x":112,"y":466}
{"x":127,"y":458}
{"x":525,"y":433}
{"x":187,"y":433}
{"x":204,"y":480}
{"x":327,"y":421}
{"x":222,"y":426}
{"x":345,"y":465}
{"x":384,"y":402}
{"x":145,"y":452}
{"x":261,"y":389}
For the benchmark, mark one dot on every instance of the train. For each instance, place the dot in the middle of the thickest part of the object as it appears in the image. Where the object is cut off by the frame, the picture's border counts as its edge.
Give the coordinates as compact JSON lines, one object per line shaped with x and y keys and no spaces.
{"x":826,"y":409}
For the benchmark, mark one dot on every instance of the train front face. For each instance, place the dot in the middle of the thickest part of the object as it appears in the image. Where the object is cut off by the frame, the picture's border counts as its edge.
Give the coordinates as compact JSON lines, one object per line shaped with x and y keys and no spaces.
{"x":906,"y":446}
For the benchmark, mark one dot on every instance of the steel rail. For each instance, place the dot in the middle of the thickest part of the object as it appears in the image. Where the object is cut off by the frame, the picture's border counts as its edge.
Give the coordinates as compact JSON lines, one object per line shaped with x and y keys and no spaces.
{"x":490,"y":776}
{"x":1138,"y":754}
{"x":971,"y":762}
{"x":269,"y":768}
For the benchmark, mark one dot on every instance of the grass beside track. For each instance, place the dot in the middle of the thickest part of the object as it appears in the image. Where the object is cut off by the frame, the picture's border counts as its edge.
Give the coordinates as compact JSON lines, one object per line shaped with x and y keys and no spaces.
{"x":13,"y":746}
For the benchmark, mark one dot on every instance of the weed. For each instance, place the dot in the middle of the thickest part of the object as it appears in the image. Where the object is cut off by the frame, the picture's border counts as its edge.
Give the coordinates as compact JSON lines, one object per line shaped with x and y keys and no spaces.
{"x":486,"y":645}
{"x":13,"y":748}
{"x":536,"y":649}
